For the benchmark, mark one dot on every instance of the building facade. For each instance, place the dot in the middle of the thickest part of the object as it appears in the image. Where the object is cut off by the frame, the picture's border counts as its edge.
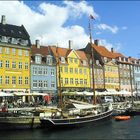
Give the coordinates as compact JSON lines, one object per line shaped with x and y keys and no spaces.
{"x":14,"y":57}
{"x":74,"y":69}
{"x":43,"y":70}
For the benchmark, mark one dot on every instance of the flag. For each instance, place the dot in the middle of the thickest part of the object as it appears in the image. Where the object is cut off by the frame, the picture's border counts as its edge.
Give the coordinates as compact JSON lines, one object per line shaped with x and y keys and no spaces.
{"x":92,"y":17}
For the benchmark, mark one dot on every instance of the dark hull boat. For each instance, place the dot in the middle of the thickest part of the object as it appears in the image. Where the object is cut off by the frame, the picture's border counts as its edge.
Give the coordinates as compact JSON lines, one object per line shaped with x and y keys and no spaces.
{"x":23,"y":122}
{"x":75,"y":121}
{"x":16,"y":121}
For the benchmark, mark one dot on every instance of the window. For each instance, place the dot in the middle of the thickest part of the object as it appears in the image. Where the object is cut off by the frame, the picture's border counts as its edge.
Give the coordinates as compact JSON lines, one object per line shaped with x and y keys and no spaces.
{"x":0,"y":80}
{"x":71,"y":70}
{"x":66,"y":81}
{"x":34,"y":71}
{"x":14,"y":51}
{"x":7,"y":65}
{"x":7,"y":80}
{"x":0,"y":63}
{"x":38,"y":59}
{"x":52,"y":72}
{"x":81,"y":81}
{"x":26,"y":81}
{"x":61,"y":81}
{"x":52,"y":84}
{"x":13,"y":80}
{"x":40,"y":84}
{"x":71,"y":81}
{"x":45,"y":71}
{"x":0,"y":49}
{"x":71,"y":60}
{"x":7,"y":50}
{"x":85,"y":81}
{"x":13,"y":64}
{"x":26,"y":53}
{"x":20,"y":80}
{"x":76,"y":81}
{"x":20,"y":52}
{"x":80,"y":71}
{"x":76,"y":70}
{"x":45,"y":84}
{"x":34,"y":83}
{"x":61,"y":69}
{"x":49,"y":60}
{"x":85,"y":71}
{"x":66,"y":69}
{"x":62,"y":59}
{"x":40,"y":71}
{"x":75,"y":60}
{"x":26,"y":65}
{"x":20,"y":65}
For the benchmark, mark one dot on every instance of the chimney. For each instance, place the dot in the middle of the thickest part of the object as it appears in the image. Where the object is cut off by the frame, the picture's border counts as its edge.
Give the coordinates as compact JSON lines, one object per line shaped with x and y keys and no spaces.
{"x":96,"y":42}
{"x":3,"y":19}
{"x":70,"y":44}
{"x":37,"y":44}
{"x":112,"y":50}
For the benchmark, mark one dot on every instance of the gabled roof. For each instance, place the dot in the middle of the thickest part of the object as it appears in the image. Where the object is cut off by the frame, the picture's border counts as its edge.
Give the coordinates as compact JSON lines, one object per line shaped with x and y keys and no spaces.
{"x":116,"y":54}
{"x":63,"y":52}
{"x":82,"y":55}
{"x":43,"y":50}
{"x":13,"y":31}
{"x":103,"y":51}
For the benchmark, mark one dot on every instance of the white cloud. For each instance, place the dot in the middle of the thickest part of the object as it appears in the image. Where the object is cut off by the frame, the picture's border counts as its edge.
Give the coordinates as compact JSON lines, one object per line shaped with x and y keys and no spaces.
{"x":113,"y":29}
{"x":78,"y":9}
{"x":49,"y":23}
{"x":116,"y":46}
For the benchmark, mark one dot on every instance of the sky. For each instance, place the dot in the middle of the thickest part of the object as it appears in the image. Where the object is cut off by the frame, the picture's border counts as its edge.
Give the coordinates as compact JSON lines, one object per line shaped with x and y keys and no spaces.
{"x":116,"y":24}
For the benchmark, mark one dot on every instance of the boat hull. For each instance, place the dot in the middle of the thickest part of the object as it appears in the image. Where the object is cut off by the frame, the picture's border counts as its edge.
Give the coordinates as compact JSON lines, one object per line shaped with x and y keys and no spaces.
{"x":92,"y":119}
{"x":19,"y":123}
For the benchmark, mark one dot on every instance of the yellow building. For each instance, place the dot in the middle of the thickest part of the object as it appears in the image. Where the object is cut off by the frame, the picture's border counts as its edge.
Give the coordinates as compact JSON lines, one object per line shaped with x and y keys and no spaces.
{"x":14,"y":57}
{"x":111,"y":75}
{"x":74,"y":69}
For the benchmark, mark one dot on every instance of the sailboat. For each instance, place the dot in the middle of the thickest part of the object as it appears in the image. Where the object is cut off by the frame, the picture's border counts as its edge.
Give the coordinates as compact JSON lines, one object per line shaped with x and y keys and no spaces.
{"x":76,"y":113}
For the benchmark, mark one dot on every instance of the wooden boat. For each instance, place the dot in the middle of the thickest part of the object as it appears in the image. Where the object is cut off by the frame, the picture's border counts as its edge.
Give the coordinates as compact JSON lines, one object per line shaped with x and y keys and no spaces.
{"x":18,"y":121}
{"x":122,"y":118}
{"x":77,"y":118}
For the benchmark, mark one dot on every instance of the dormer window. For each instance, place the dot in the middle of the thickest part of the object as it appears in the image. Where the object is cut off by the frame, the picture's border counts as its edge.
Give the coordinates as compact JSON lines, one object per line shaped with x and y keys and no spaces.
{"x":84,"y":62}
{"x":97,"y":62}
{"x":4,"y":39}
{"x":62,"y":60}
{"x":105,"y":59}
{"x":23,"y":42}
{"x":113,"y":60}
{"x":38,"y":59}
{"x":49,"y":60}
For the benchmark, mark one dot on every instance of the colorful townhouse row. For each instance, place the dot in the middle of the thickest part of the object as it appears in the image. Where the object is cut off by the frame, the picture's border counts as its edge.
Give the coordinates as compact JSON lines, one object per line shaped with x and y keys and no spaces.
{"x":35,"y":68}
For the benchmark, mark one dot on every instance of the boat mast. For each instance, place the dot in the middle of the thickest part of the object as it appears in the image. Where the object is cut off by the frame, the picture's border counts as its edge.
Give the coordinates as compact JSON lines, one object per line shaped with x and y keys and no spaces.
{"x":59,"y":79}
{"x":92,"y":58}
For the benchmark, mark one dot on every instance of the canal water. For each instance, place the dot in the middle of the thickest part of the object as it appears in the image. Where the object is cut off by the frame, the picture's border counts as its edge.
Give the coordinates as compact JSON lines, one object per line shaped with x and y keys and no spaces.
{"x":129,"y":129}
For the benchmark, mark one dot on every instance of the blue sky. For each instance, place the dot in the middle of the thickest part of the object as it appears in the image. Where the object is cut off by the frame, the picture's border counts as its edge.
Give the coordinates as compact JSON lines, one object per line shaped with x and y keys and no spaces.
{"x":117,"y":23}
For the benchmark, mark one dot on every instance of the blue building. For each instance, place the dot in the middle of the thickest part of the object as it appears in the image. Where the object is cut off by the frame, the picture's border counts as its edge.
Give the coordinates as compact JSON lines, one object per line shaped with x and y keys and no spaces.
{"x":43,"y":70}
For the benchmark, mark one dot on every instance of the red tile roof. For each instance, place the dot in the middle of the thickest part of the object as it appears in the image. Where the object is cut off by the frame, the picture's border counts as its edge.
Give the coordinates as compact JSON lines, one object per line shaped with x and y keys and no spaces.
{"x":103,"y":51}
{"x":81,"y":54}
{"x":43,"y":50}
{"x":63,"y":52}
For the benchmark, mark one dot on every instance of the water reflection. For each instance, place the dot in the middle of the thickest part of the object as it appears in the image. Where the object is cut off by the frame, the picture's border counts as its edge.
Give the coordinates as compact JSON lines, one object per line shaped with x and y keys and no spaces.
{"x":108,"y":130}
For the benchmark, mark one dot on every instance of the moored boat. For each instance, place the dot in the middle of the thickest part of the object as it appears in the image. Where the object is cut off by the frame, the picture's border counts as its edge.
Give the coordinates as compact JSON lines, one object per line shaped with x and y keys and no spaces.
{"x":122,"y":118}
{"x":77,"y":118}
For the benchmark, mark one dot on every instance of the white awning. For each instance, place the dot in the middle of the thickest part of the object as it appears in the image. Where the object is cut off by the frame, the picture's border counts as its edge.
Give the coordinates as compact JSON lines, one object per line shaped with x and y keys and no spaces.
{"x":4,"y":94}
